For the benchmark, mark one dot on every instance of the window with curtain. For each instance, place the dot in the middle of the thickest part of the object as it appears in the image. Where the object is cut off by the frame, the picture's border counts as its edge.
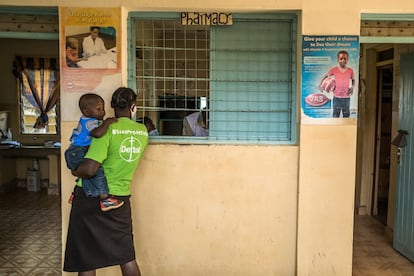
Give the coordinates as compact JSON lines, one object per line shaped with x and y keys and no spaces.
{"x":241,"y":77}
{"x":38,"y":88}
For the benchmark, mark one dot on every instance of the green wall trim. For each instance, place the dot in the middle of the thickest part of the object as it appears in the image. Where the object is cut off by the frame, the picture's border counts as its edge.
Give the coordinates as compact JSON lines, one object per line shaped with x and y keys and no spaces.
{"x":29,"y":10}
{"x":387,"y":16}
{"x":27,"y":35}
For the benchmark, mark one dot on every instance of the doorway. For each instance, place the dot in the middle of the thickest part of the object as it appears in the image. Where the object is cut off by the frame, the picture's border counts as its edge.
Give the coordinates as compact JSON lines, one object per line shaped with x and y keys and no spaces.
{"x":382,"y":157}
{"x":31,"y":219}
{"x":377,"y":98}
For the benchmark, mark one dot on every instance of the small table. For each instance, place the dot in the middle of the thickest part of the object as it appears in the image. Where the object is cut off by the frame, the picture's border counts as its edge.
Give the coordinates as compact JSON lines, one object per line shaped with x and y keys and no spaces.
{"x":52,"y":154}
{"x":29,"y":152}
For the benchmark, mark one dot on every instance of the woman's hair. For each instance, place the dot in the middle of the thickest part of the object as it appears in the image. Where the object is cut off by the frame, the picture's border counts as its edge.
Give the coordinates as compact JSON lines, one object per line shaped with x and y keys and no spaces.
{"x":123,"y":98}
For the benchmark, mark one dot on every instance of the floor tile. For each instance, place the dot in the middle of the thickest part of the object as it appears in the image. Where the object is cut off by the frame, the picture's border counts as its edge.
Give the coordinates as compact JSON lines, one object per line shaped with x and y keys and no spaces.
{"x":30,"y":233}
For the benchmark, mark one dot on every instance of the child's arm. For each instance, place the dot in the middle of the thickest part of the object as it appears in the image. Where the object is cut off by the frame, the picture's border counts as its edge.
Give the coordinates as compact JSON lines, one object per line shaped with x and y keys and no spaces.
{"x":351,"y":89}
{"x":100,"y":130}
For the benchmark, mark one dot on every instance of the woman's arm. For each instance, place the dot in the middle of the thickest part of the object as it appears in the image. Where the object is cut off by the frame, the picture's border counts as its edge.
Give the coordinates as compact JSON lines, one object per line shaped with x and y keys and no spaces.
{"x":86,"y":169}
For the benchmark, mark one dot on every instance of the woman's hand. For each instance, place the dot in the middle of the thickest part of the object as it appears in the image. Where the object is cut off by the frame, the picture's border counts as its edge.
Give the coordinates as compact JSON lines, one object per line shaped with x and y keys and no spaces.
{"x":86,"y":169}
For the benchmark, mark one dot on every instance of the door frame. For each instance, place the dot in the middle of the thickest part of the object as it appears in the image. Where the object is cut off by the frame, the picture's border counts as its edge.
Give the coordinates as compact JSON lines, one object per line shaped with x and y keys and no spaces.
{"x":376,"y":36}
{"x":366,"y":135}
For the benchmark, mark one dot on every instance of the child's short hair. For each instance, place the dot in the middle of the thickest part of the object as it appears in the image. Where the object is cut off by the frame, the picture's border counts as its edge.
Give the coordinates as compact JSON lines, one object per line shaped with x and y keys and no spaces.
{"x":343,"y":52}
{"x":89,"y":99}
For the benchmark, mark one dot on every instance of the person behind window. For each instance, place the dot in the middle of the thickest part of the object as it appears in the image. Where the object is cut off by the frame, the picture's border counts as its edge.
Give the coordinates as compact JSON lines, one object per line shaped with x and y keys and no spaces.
{"x":152,"y":130}
{"x":196,"y":124}
{"x":72,"y":52}
{"x":93,"y":45}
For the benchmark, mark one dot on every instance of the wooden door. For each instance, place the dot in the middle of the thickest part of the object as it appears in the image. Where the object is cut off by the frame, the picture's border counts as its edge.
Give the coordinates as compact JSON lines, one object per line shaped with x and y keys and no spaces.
{"x":404,"y":213}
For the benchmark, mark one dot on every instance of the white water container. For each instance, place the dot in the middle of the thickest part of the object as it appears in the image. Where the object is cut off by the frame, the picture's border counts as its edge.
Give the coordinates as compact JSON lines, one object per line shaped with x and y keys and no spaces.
{"x":9,"y":135}
{"x":35,"y":164}
{"x":3,"y":120}
{"x":33,"y":181}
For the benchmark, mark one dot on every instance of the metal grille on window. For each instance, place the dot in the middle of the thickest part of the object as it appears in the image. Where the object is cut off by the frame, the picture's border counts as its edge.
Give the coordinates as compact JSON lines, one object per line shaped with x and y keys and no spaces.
{"x":172,"y":72}
{"x":243,"y":75}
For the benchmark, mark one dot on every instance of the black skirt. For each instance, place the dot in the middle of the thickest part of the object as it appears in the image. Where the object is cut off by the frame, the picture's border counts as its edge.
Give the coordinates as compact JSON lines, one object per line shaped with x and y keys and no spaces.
{"x":97,"y":239}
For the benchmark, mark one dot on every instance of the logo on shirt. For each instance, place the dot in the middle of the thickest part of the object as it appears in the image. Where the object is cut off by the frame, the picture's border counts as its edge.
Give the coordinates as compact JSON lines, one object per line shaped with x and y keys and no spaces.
{"x":130,"y":149}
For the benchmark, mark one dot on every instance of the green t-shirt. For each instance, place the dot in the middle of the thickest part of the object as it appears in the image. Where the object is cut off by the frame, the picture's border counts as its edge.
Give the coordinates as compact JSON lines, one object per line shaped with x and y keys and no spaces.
{"x":119,"y":152}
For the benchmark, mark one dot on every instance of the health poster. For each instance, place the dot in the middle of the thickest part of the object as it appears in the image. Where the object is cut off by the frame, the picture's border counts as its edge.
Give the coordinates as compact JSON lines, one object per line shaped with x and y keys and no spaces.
{"x":330,"y":67}
{"x":90,"y":59}
{"x":90,"y":42}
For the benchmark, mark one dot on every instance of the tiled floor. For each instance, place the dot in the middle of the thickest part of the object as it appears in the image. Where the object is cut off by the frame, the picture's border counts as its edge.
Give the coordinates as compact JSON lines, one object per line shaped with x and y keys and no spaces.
{"x":30,"y":233}
{"x":373,"y":253}
{"x":30,"y":239}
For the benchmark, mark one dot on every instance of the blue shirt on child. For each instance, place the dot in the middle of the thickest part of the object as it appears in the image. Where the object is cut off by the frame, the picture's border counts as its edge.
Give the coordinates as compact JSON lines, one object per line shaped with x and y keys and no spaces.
{"x":81,"y":134}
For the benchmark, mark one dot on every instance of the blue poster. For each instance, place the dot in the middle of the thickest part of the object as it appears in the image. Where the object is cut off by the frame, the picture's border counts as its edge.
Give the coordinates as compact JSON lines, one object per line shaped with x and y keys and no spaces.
{"x":330,"y":70}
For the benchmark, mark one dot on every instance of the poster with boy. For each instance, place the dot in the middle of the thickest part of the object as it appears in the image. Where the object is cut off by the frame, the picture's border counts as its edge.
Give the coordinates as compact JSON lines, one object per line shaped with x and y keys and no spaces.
{"x":330,"y":76}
